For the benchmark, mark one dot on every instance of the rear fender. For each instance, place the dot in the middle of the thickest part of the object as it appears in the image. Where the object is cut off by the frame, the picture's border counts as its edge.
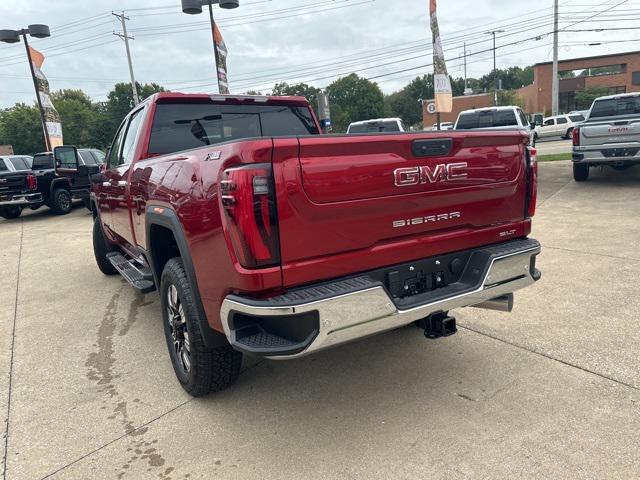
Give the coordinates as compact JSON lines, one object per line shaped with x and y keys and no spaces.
{"x":167,"y":218}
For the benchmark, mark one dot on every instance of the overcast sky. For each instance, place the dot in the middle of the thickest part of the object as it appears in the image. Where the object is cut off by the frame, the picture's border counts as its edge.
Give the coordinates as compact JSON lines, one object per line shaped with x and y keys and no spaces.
{"x":295,"y":40}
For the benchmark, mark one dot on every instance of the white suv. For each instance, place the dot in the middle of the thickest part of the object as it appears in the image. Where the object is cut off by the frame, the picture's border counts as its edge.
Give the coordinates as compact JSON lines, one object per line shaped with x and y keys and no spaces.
{"x":558,"y":126}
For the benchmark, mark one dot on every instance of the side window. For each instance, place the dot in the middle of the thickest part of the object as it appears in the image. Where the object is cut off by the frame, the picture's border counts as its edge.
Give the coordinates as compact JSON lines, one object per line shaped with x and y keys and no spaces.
{"x":129,"y":144}
{"x":523,"y":118}
{"x":86,"y":158}
{"x":549,"y":123}
{"x":3,"y":167}
{"x":562,"y":120}
{"x":99,"y":155}
{"x":114,"y":153}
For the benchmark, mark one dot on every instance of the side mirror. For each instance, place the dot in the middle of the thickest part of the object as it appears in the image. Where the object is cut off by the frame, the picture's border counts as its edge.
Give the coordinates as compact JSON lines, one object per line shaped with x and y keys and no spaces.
{"x":66,"y":156}
{"x":532,"y":125}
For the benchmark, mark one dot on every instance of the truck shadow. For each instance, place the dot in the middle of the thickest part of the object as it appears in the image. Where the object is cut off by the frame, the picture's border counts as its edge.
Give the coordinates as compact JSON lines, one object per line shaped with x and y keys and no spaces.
{"x":44,"y":213}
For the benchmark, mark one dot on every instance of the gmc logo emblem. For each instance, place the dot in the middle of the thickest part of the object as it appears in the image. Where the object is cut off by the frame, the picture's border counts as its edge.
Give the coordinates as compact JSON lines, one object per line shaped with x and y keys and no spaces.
{"x":406,"y":177}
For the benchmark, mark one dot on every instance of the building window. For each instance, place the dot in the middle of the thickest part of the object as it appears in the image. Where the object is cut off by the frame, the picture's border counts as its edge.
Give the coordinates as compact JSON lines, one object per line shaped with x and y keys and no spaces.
{"x":567,"y":101}
{"x":616,"y":90}
{"x":594,"y":71}
{"x":635,"y":78}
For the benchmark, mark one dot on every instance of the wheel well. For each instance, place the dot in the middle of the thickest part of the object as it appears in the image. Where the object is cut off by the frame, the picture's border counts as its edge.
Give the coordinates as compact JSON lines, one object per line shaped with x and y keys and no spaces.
{"x":163,"y":246}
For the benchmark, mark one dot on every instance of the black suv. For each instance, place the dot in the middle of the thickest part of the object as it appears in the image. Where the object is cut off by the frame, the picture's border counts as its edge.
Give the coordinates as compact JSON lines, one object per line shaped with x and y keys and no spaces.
{"x":64,"y":175}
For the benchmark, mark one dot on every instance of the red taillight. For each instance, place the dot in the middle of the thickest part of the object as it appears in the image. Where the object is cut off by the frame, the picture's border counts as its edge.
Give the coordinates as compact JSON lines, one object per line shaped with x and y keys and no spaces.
{"x":532,"y":182}
{"x":575,"y":136}
{"x":32,"y":183}
{"x":251,"y":220}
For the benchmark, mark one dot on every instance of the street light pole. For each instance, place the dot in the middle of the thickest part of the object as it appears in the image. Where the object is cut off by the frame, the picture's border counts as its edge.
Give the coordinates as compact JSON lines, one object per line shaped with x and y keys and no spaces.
{"x":43,"y":120}
{"x":194,"y":7}
{"x":555,"y":82}
{"x":215,"y":48}
{"x":13,"y":36}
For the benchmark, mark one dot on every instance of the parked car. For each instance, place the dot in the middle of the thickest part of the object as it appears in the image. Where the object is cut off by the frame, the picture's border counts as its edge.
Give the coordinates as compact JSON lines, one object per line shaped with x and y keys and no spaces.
{"x":496,"y":118}
{"x":289,"y":244}
{"x":64,"y":176}
{"x":443,"y":126}
{"x":558,"y":126}
{"x":609,"y":136}
{"x":378,"y":125}
{"x":17,"y":186}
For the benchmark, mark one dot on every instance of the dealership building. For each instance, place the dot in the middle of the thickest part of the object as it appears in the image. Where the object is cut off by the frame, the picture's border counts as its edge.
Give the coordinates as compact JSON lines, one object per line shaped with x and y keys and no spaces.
{"x":618,"y":73}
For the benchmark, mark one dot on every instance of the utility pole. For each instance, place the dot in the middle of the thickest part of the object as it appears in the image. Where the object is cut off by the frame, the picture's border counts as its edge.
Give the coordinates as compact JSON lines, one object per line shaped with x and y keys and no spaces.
{"x":465,"y":67}
{"x":126,"y":38}
{"x":495,"y":67}
{"x":555,"y":81}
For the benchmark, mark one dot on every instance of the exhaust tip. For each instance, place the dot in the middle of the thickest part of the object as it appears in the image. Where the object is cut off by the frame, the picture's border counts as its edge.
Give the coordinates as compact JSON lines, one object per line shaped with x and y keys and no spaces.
{"x":503,"y":303}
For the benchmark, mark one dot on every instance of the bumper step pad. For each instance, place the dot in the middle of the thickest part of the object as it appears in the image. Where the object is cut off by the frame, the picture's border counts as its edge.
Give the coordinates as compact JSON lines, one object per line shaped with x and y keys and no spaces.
{"x":140,"y":278}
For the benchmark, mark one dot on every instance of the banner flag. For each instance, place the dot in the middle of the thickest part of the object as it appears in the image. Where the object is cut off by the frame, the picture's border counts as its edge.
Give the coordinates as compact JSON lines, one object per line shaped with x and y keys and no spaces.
{"x":441,"y":83}
{"x":52,"y":119}
{"x":221,"y":60}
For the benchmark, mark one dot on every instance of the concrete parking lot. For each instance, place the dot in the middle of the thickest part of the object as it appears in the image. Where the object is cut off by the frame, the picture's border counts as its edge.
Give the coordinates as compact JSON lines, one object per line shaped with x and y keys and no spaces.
{"x":553,"y":146}
{"x":551,"y":390}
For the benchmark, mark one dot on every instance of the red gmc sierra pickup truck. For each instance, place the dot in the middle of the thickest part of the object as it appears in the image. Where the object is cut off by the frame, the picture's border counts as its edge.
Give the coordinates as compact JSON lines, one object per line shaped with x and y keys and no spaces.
{"x":264,"y":237}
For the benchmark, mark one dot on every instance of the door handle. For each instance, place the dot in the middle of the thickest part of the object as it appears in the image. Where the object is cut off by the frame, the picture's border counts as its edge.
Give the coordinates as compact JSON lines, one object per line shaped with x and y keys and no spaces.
{"x":122,"y":183}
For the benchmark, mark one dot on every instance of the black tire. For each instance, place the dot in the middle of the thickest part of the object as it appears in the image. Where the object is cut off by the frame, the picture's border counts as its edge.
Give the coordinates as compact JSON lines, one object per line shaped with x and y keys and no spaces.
{"x":61,"y":201}
{"x":208,"y":369}
{"x":581,"y":172}
{"x":101,"y":248}
{"x":10,"y":212}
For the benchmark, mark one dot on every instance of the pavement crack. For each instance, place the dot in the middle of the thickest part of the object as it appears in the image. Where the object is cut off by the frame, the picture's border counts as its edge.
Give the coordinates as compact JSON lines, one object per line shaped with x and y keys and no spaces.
{"x":547,"y":356}
{"x":591,"y":253}
{"x":141,"y":430}
{"x":13,"y":342}
{"x":556,"y":193}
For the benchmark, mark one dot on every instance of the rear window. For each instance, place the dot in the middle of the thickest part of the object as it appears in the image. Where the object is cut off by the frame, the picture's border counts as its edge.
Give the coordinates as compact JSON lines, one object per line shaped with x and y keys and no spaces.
{"x":179,"y":127}
{"x":42,"y":162}
{"x":487,"y":119}
{"x":375,"y":127}
{"x":615,"y":106}
{"x":576,"y":118}
{"x":19,"y":163}
{"x":87,"y":157}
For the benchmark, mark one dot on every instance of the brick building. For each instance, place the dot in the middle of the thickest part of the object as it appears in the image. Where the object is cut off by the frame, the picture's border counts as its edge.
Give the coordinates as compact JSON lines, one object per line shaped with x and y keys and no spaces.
{"x":619,"y":73}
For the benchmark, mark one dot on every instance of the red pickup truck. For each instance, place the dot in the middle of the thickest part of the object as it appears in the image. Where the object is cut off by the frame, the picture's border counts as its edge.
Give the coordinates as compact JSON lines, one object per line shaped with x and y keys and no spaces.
{"x":264,"y":237}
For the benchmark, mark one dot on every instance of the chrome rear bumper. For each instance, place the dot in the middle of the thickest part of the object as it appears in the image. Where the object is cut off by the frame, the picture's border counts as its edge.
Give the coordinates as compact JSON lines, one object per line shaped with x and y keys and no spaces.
{"x":370,"y":309}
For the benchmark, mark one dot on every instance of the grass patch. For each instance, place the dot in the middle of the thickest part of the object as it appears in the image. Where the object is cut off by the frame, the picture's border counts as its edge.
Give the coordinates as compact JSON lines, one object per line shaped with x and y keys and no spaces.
{"x":554,"y":157}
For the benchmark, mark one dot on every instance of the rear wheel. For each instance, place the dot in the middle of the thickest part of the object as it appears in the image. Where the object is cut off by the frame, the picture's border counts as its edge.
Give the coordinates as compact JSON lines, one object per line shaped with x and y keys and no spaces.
{"x":10,"y":212}
{"x":101,"y":248}
{"x":199,"y":369}
{"x":61,"y":202}
{"x":581,"y":172}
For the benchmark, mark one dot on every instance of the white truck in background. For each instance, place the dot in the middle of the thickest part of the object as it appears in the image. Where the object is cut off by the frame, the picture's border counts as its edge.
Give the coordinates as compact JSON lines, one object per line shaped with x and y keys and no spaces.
{"x":609,"y":136}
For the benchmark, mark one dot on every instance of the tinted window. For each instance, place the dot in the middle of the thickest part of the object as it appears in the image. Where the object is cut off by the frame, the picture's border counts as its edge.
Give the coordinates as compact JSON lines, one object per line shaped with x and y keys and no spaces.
{"x":99,"y":155}
{"x":3,"y":166}
{"x":562,"y":120}
{"x":114,"y":153}
{"x":487,"y":119}
{"x":179,"y":127}
{"x":19,"y":163}
{"x":42,"y":162}
{"x":375,"y":127}
{"x":576,"y":118}
{"x":86,"y":157}
{"x":128,"y":147}
{"x":523,"y":118}
{"x":67,"y":159}
{"x":615,"y":106}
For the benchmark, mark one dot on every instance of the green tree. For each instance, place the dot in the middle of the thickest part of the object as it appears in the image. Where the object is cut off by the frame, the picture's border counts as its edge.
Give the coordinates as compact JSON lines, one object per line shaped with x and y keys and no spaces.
{"x":406,"y":103}
{"x":78,"y":118}
{"x":300,"y":89}
{"x":584,"y":98}
{"x":509,"y":97}
{"x":20,"y":126}
{"x":119,"y":103}
{"x":352,"y":99}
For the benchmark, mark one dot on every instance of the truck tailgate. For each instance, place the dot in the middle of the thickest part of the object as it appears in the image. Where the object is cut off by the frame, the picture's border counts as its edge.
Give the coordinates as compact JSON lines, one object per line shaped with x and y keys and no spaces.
{"x":610,"y":132}
{"x":352,"y":203}
{"x":13,"y":183}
